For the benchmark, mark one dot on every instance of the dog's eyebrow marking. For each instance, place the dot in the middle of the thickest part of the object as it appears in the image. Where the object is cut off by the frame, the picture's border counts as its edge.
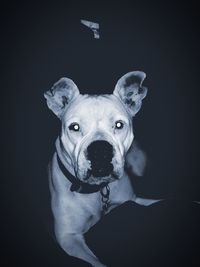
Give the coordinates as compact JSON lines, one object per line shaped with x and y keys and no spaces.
{"x":93,"y":26}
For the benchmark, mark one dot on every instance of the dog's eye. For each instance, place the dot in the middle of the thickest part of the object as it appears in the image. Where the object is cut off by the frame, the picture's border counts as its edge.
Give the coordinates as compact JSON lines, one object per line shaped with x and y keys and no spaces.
{"x":119,"y":125}
{"x":74,"y":127}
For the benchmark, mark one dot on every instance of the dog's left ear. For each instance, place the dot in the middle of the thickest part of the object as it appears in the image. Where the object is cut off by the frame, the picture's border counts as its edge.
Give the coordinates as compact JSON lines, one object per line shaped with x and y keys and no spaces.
{"x":60,"y":95}
{"x":130,"y":90}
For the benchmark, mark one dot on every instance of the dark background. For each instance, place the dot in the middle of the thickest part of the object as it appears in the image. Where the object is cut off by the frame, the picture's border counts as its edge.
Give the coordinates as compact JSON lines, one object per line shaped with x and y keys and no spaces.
{"x":41,"y":43}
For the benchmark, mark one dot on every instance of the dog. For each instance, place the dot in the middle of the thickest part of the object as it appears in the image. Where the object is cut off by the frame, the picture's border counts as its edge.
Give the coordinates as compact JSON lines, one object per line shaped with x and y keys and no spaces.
{"x":87,"y":175}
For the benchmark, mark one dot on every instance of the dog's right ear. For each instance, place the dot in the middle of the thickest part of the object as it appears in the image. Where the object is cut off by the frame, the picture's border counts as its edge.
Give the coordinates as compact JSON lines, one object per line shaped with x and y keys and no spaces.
{"x":60,"y":95}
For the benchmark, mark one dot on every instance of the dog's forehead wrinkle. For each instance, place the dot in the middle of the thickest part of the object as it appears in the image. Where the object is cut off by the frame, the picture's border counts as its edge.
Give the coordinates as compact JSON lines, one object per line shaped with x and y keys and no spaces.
{"x":93,"y":106}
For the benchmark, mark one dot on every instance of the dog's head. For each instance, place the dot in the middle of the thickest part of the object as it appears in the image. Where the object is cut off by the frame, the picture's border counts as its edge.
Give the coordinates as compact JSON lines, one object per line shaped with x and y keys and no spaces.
{"x":97,"y":130}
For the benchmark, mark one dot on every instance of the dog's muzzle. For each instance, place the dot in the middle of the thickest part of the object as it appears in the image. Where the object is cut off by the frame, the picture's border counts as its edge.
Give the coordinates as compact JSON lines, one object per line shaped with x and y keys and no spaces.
{"x":100,"y":154}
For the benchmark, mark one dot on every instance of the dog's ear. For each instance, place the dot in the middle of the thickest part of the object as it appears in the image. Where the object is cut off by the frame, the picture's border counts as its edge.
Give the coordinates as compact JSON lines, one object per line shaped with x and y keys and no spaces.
{"x":60,"y":95}
{"x":130,"y":90}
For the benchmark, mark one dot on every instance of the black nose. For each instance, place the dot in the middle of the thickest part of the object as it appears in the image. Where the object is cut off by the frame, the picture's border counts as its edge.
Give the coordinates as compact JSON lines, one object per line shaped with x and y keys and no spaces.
{"x":100,"y":153}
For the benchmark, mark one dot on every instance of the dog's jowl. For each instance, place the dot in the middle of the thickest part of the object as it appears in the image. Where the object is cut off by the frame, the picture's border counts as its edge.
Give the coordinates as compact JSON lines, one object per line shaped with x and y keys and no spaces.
{"x":87,"y":169}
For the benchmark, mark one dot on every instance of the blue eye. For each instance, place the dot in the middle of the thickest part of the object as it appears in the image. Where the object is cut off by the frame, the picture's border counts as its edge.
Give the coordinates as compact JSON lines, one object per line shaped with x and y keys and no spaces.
{"x":119,"y":125}
{"x":74,"y":127}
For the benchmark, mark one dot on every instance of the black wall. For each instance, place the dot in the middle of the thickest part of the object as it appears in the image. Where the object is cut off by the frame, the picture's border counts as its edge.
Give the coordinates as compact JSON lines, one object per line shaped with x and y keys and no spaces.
{"x":43,"y":42}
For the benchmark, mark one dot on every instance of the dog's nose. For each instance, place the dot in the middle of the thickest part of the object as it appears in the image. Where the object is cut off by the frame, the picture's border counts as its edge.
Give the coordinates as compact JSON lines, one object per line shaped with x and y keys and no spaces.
{"x":100,"y":153}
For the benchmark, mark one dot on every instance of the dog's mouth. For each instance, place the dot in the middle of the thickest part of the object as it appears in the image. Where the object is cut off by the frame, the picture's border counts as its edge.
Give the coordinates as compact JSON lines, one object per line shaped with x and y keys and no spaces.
{"x":91,"y":179}
{"x":100,"y":173}
{"x":100,"y":168}
{"x":100,"y":154}
{"x":99,"y":162}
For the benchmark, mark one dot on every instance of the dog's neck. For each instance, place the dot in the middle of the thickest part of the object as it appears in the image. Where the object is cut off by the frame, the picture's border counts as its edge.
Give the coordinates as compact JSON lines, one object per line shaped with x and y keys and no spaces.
{"x":77,"y":185}
{"x":64,"y":156}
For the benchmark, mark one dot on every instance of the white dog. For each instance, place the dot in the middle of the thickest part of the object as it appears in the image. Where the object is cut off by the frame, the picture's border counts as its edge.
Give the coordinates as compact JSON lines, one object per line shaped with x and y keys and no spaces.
{"x":87,"y":173}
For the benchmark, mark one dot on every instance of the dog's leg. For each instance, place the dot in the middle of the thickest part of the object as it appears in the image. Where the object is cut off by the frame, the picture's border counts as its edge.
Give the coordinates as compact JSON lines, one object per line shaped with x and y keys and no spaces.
{"x":146,"y":201}
{"x":136,"y":159}
{"x":74,"y":245}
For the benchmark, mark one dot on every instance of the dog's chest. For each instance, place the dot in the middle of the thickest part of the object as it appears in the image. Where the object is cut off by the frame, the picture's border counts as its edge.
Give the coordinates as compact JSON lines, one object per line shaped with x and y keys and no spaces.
{"x":88,"y":206}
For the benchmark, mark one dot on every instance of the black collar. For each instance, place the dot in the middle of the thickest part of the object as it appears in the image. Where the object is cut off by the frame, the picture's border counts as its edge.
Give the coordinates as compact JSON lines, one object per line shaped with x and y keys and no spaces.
{"x":77,"y":185}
